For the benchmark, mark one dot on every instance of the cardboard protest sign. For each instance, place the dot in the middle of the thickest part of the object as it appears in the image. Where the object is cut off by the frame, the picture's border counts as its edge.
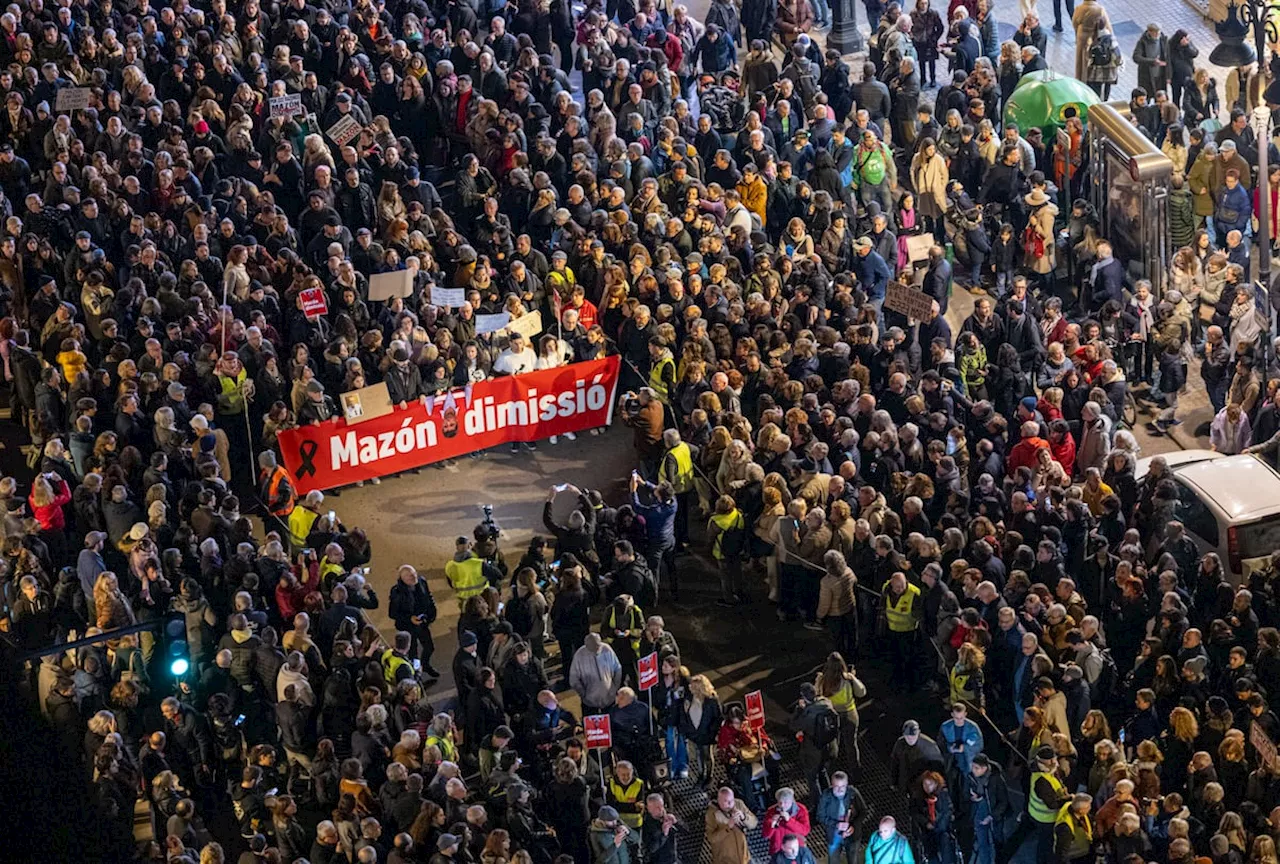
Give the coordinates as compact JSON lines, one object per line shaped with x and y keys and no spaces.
{"x":314,"y":303}
{"x":286,"y":106}
{"x":384,"y":286}
{"x":528,"y":325}
{"x":73,"y":98}
{"x":367,"y":403}
{"x":344,"y":130}
{"x":1263,"y":744}
{"x":648,"y":671}
{"x":492,"y":323}
{"x":451,"y":297}
{"x":907,"y":300}
{"x":599,"y":734}
{"x":918,"y":247}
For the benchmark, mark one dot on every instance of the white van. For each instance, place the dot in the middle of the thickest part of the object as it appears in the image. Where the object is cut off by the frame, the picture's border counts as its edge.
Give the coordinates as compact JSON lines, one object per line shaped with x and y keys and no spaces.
{"x":1229,"y":505}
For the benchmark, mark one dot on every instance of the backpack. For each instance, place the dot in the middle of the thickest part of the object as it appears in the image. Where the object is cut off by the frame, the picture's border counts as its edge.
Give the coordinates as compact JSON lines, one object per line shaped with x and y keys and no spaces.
{"x":826,"y":727}
{"x":1100,"y":53}
{"x":1032,"y":242}
{"x":733,"y":540}
{"x":648,"y":595}
{"x":1107,"y":678}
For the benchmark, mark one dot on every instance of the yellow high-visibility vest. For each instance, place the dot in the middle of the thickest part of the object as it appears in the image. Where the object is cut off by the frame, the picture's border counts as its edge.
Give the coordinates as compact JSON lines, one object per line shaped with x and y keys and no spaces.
{"x":391,"y":663}
{"x":681,"y":476}
{"x":1040,"y":810}
{"x":629,"y":794}
{"x":300,"y":522}
{"x":657,"y":380}
{"x":466,"y":577}
{"x":900,"y":614}
{"x":1081,"y":833}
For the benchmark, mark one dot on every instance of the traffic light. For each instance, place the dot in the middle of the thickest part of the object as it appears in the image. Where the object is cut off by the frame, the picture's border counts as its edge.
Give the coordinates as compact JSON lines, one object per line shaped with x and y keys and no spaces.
{"x":177,"y":653}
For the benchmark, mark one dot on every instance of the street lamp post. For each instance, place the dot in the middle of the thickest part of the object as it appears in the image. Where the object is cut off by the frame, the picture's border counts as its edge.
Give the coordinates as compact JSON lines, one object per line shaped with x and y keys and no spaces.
{"x":845,"y":36}
{"x":1262,"y":18}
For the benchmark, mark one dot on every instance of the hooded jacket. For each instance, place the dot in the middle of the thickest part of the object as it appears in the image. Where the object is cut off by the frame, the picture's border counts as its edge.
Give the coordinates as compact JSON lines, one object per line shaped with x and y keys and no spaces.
{"x":595,"y":675}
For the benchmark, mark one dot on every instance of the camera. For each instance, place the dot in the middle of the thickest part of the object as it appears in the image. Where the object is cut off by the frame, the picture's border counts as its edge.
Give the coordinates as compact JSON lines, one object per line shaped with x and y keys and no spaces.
{"x":487,"y":527}
{"x":630,"y":403}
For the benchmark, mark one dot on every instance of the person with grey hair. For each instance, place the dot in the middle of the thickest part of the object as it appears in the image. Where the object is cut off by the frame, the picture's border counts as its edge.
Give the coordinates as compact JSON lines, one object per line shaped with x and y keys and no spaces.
{"x":1095,"y":439}
{"x":904,"y":88}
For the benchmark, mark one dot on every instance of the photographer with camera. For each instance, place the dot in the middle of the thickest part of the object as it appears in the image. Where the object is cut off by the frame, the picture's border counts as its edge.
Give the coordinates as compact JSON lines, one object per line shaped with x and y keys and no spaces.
{"x":643,"y":411}
{"x":486,"y":545}
{"x":611,"y":841}
{"x":577,"y":535}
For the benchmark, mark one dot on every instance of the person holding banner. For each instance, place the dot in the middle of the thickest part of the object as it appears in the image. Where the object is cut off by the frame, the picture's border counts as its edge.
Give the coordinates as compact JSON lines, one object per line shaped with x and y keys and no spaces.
{"x":745,"y":751}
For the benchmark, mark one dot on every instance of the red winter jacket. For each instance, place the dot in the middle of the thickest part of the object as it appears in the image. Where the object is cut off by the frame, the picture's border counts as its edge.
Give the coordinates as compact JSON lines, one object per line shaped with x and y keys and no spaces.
{"x":797,"y":823}
{"x":50,"y":516}
{"x":1024,"y":453}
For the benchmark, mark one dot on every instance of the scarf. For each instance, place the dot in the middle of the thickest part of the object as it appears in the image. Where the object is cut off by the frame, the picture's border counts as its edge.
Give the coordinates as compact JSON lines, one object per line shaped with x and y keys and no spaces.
{"x":1145,"y":319}
{"x":1239,"y":310}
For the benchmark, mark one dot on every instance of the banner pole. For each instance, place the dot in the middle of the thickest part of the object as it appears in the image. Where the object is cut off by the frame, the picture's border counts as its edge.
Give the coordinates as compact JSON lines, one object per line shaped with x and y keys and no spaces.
{"x":649,"y":693}
{"x":248,"y":433}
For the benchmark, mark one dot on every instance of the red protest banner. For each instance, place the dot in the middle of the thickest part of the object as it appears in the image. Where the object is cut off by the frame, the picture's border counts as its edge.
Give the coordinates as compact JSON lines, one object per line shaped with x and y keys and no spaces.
{"x":648,"y":671}
{"x":500,"y":411}
{"x":314,"y":303}
{"x":755,"y":709}
{"x":599,"y":735}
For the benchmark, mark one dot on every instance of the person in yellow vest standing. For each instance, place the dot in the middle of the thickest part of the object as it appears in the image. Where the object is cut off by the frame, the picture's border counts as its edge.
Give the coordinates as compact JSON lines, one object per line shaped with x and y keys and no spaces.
{"x":302,"y":517}
{"x":903,"y":610}
{"x":662,"y":377}
{"x":1073,"y":830}
{"x":1046,"y":797}
{"x":235,"y":390}
{"x":621,"y":627}
{"x":727,"y":530}
{"x":662,"y":369}
{"x":676,"y":470}
{"x":396,"y":666}
{"x":627,"y":793}
{"x":466,"y":572}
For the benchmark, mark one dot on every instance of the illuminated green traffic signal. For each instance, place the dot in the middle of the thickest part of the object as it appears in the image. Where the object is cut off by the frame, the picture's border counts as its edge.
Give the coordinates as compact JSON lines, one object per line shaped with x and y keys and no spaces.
{"x":176,"y":649}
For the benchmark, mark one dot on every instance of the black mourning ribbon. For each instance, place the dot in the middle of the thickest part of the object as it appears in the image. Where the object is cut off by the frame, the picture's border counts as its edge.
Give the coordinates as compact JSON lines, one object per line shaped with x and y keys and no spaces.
{"x":307,"y":452}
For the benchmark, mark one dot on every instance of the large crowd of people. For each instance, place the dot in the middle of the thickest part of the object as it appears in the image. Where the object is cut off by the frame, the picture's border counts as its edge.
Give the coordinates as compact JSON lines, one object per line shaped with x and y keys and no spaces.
{"x":723,"y":204}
